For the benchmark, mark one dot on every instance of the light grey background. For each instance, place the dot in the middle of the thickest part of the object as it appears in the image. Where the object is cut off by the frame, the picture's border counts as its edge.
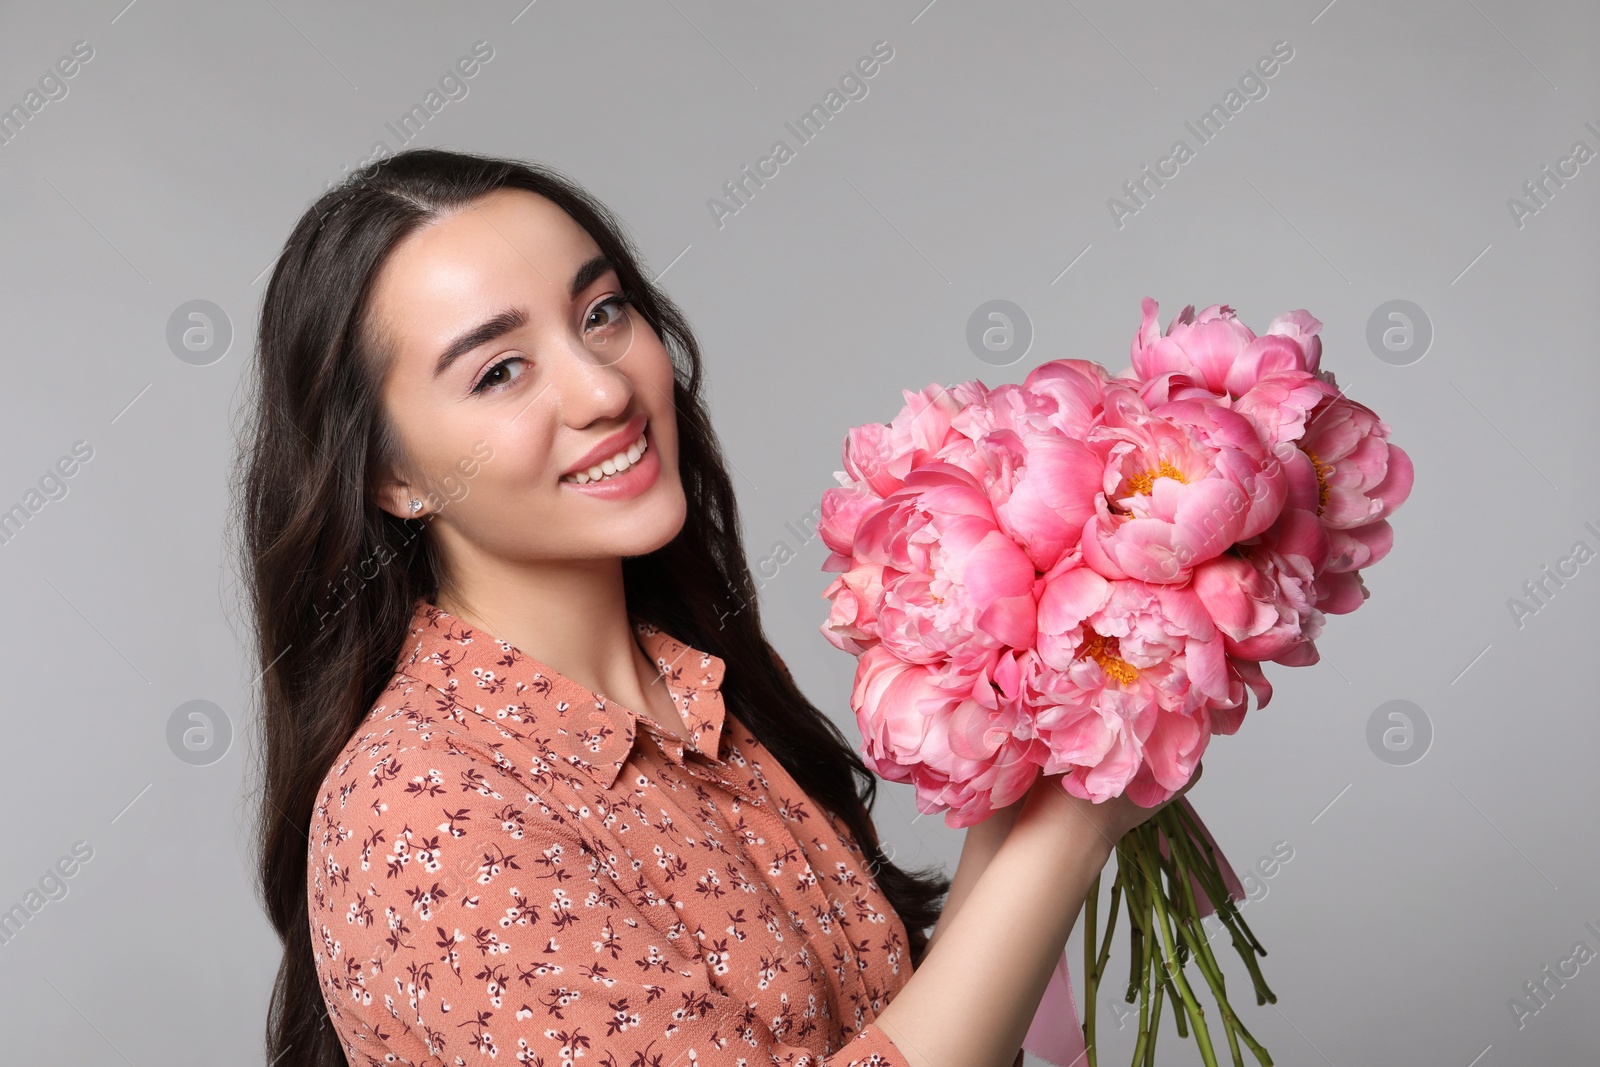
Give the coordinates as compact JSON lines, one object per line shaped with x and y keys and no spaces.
{"x":1419,"y":899}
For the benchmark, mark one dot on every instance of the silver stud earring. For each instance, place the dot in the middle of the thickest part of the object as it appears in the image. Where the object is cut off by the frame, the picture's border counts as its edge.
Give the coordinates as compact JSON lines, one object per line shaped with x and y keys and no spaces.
{"x":416,"y":505}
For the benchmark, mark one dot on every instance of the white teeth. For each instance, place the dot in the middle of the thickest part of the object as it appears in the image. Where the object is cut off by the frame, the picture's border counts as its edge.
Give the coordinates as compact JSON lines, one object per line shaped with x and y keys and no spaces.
{"x":606,"y":468}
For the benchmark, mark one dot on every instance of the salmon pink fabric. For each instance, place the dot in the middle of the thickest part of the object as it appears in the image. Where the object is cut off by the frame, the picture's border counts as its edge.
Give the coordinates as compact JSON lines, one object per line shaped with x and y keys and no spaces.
{"x":507,"y":866}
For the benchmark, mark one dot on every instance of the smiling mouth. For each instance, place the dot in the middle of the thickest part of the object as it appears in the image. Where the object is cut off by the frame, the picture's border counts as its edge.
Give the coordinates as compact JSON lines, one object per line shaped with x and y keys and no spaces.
{"x":608,"y":468}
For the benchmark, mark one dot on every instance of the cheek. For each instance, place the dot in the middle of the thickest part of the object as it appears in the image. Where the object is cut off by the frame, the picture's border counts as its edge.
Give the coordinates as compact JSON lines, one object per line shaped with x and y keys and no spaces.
{"x":498,"y":457}
{"x":653,"y":381}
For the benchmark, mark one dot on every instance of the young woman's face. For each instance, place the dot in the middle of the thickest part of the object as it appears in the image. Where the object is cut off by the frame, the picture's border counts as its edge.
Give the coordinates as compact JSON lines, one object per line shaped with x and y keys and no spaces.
{"x":514,"y":361}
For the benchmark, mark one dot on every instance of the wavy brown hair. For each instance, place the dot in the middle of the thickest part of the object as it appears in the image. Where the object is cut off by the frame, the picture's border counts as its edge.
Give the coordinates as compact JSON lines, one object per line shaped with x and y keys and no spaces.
{"x":331,"y":577}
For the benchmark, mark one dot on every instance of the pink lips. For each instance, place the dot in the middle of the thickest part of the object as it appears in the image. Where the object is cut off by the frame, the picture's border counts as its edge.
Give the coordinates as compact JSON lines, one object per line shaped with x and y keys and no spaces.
{"x":629,"y":483}
{"x":609,"y":446}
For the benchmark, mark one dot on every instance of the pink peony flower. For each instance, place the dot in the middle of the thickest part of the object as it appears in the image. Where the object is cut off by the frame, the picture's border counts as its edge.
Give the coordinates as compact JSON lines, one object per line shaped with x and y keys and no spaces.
{"x":842,"y":511}
{"x":968,"y":750}
{"x":955,"y":587}
{"x":1289,"y":556}
{"x":1182,"y":483}
{"x":1171,"y":752}
{"x":1238,"y":597}
{"x":1135,"y":633}
{"x":1216,"y":350}
{"x":1361,"y":479}
{"x":1076,"y":388}
{"x":1042,"y":486}
{"x":1279,"y":404}
{"x":1107,"y":739}
{"x":1119,"y":660}
{"x":852,"y":624}
{"x":879,"y":456}
{"x":1081,"y":575}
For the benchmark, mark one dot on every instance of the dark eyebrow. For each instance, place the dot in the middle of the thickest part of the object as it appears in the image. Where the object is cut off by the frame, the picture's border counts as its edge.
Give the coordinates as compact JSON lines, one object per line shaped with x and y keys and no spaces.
{"x":589,"y":272}
{"x":481,"y":334}
{"x":515,"y":318}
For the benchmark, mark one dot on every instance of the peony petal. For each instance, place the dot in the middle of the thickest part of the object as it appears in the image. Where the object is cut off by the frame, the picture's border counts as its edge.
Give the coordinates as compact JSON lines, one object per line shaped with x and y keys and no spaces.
{"x":1264,"y":355}
{"x":1223,"y":586}
{"x":1010,"y":620}
{"x":1207,"y":666}
{"x":1350,"y":550}
{"x":1071,"y":597}
{"x":1303,"y":327}
{"x":1340,"y":592}
{"x":968,"y":728}
{"x":1397,"y":480}
{"x":1255,"y":678}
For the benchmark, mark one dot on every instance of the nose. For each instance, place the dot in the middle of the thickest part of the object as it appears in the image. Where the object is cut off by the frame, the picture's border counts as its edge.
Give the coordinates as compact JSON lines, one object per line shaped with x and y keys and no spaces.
{"x":591,"y":386}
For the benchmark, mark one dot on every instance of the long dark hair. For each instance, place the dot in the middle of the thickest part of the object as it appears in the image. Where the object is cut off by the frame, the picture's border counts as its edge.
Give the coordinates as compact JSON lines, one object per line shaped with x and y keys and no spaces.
{"x":331,"y":577}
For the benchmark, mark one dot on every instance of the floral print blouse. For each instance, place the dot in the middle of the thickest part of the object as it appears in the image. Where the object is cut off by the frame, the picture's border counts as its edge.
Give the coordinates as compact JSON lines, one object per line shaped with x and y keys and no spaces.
{"x":507,"y":866}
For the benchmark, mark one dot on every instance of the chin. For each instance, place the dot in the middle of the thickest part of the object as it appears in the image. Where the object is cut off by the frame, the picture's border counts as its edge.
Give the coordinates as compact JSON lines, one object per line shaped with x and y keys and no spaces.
{"x":652,"y":527}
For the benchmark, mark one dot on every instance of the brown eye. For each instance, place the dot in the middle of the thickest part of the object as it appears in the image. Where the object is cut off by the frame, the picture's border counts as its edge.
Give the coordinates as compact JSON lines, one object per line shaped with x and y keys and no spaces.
{"x":498,"y":376}
{"x":610,"y":310}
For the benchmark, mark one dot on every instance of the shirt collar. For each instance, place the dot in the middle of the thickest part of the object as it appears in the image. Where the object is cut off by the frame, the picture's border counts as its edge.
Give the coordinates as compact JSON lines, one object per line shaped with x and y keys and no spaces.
{"x":481,"y":673}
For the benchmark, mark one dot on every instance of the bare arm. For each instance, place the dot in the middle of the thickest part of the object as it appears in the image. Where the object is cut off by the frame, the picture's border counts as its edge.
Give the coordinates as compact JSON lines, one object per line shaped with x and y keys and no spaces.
{"x":971,"y":1001}
{"x":978,"y":847}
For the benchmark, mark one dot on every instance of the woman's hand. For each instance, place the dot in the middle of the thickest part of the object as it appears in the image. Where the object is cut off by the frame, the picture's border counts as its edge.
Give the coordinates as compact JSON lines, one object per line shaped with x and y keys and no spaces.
{"x":1110,"y":818}
{"x":978,"y":989}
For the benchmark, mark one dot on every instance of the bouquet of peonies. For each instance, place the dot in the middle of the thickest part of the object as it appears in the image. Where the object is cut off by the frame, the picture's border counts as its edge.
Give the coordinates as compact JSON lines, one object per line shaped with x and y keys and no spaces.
{"x":1081,"y":576}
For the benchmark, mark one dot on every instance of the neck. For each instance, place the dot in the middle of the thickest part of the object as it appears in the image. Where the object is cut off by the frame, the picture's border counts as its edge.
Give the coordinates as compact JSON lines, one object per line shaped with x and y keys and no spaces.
{"x":571,"y":616}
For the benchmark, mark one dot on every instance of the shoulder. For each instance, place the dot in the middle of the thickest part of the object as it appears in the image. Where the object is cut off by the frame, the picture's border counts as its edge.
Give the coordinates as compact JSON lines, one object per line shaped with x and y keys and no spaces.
{"x":417,"y":758}
{"x":425,"y":829}
{"x":417,"y":807}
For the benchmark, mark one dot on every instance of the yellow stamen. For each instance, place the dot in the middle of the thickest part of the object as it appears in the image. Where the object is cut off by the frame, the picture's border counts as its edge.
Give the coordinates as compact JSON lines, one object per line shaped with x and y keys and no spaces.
{"x":1103,"y":650}
{"x":1323,"y":470}
{"x":1145,"y":480}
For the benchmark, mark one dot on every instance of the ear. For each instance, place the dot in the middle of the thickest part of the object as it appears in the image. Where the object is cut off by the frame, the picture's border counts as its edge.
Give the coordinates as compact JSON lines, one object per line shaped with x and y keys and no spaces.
{"x":394,"y":495}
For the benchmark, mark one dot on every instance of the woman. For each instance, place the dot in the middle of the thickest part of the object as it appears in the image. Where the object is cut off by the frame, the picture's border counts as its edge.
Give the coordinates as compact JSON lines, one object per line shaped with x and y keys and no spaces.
{"x":535,"y":784}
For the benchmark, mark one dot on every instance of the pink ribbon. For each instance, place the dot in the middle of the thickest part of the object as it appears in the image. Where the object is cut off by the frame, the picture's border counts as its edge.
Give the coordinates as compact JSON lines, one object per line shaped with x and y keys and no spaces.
{"x":1056,"y":1035}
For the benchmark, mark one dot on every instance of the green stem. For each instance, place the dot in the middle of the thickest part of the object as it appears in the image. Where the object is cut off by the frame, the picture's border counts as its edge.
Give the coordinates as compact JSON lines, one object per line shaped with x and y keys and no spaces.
{"x":1192,"y":932}
{"x":1202,"y":1036}
{"x":1161,"y":895}
{"x":1137,"y":907}
{"x":1185,"y":854}
{"x":1149,"y":1015}
{"x":1144,"y":863}
{"x":1210,"y":875}
{"x":1155,"y":1027}
{"x":1111,"y":924}
{"x":1145,"y":964}
{"x":1091,"y":975}
{"x":1217,"y":889}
